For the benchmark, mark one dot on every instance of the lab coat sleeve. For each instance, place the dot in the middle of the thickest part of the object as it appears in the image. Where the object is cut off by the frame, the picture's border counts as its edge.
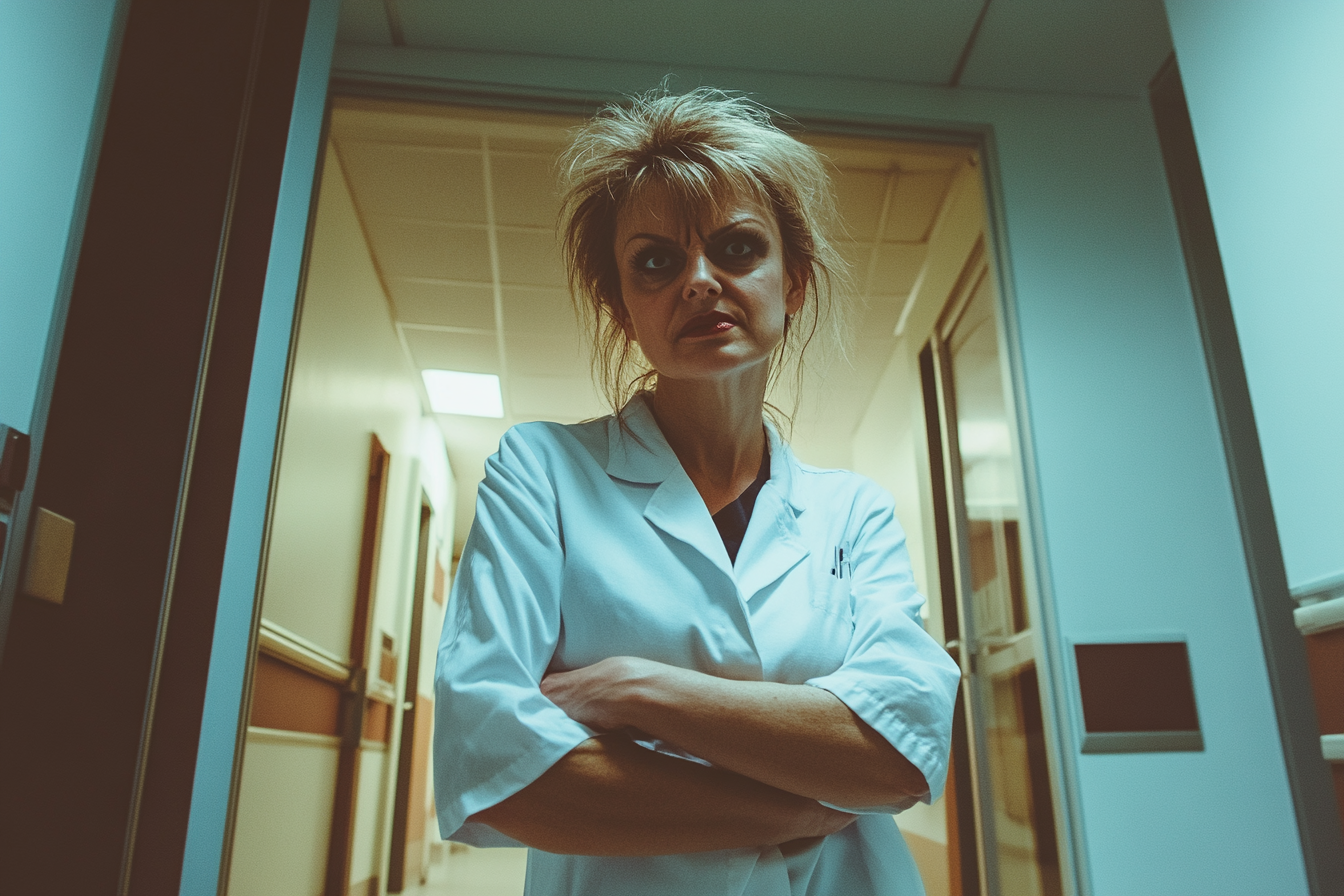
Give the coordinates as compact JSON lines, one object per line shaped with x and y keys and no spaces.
{"x":494,"y":731}
{"x":895,"y":676}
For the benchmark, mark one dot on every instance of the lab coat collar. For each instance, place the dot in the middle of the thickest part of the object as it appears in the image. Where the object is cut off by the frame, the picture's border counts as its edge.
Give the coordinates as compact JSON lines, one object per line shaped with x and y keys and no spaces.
{"x":772,"y":546}
{"x":642,"y":454}
{"x":638,"y":452}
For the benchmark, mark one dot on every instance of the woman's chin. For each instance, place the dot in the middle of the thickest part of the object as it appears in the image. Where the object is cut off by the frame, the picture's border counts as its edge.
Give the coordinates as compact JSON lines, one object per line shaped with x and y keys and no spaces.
{"x":713,"y":368}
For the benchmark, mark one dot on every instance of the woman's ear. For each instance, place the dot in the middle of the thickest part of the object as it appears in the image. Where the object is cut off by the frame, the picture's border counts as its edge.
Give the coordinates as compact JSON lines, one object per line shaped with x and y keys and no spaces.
{"x":795,"y":291}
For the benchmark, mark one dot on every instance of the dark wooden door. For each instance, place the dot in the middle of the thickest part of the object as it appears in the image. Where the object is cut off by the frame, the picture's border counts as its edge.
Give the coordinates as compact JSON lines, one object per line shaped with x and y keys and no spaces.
{"x":355,"y":700}
{"x":408,"y":815}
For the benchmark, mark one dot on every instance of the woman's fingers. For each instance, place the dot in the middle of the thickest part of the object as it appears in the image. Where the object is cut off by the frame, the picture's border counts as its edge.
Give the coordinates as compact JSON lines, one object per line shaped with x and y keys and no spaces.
{"x":589,"y":695}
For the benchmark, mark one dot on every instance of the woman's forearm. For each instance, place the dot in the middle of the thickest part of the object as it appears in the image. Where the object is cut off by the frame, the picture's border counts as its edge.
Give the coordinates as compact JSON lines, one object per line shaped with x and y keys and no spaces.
{"x":792,"y":737}
{"x":610,"y":796}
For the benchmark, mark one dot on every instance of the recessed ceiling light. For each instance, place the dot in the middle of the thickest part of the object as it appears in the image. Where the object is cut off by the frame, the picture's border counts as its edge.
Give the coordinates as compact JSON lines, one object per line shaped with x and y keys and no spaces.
{"x":459,"y":392}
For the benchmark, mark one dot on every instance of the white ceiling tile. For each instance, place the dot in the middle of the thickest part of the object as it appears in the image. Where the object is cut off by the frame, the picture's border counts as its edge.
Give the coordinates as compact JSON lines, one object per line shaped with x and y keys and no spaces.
{"x":562,"y":398}
{"x":858,"y":194}
{"x":858,"y":257}
{"x":884,"y":155}
{"x":416,"y":181}
{"x":897,"y":268}
{"x":530,"y":259}
{"x":531,"y":309}
{"x":533,"y":354}
{"x":380,"y":121}
{"x":423,"y":249}
{"x":915,"y":204}
{"x":550,"y":148}
{"x":525,"y":188}
{"x":437,"y":350}
{"x":881,"y":314}
{"x":443,"y":304}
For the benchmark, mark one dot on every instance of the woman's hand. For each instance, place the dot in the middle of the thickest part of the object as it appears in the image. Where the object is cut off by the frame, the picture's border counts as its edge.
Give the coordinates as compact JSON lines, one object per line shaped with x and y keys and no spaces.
{"x":596,"y":694}
{"x":793,"y":737}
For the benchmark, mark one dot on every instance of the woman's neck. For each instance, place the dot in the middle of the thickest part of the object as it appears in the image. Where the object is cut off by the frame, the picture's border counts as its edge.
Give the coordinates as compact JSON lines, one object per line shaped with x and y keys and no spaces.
{"x":714,"y":427}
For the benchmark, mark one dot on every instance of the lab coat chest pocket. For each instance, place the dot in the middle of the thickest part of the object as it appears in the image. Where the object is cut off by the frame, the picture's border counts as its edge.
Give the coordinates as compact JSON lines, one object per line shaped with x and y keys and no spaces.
{"x":639,"y":600}
{"x":830,"y":596}
{"x":832,"y":619}
{"x":804,"y":626}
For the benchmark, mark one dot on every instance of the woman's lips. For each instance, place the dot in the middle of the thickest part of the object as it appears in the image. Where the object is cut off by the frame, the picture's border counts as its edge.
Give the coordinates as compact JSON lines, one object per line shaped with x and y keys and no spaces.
{"x":710,"y":324}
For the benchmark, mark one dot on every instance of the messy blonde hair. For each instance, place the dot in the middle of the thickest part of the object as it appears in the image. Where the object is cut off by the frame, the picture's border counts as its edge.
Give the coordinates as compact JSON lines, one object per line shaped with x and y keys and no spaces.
{"x":698,"y":149}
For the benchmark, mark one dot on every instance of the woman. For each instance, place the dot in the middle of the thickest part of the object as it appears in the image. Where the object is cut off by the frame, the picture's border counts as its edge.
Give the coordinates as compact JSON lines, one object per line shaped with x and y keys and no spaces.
{"x":678,"y":661}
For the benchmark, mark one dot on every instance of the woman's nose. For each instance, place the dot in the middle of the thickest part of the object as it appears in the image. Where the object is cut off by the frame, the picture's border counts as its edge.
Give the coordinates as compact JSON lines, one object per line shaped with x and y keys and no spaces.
{"x":701,"y":280}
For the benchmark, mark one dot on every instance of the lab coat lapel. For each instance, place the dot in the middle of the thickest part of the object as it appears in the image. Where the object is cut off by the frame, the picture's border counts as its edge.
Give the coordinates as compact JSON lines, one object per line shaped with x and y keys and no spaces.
{"x":677,"y":508}
{"x":641,"y":454}
{"x":774,"y":543}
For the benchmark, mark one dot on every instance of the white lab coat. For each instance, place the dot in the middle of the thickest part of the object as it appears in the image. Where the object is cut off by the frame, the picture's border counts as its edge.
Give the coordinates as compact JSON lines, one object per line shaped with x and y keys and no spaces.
{"x":590,"y":542}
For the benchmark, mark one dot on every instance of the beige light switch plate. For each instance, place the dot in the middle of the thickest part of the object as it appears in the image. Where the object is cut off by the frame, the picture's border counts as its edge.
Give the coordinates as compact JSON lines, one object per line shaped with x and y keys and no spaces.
{"x":49,"y":550}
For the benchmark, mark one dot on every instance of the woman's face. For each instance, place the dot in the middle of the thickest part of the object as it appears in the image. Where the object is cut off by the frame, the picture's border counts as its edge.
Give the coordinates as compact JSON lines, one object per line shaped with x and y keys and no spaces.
{"x":703,"y":298}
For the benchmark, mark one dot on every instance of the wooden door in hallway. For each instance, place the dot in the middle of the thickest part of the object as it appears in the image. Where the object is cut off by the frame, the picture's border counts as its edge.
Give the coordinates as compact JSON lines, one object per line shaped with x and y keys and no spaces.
{"x":360,"y":715}
{"x":407,"y":861}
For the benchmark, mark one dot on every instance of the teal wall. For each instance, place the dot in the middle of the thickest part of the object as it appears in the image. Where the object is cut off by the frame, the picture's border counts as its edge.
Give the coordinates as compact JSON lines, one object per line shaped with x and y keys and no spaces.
{"x":1141,"y":534}
{"x":1265,"y":86}
{"x":52,"y":55}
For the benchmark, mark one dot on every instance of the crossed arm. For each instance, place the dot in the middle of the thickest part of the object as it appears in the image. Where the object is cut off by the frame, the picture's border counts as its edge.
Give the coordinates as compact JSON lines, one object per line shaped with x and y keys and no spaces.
{"x":776,"y":750}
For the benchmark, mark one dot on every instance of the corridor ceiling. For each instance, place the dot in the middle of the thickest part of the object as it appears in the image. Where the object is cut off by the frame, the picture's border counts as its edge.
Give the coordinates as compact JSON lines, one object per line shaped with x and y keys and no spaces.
{"x":1107,"y":47}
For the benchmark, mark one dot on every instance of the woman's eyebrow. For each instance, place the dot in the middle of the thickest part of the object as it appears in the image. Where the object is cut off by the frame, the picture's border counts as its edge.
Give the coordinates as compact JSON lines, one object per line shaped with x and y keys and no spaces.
{"x":726,"y":228}
{"x":654,"y":237}
{"x":732,"y":225}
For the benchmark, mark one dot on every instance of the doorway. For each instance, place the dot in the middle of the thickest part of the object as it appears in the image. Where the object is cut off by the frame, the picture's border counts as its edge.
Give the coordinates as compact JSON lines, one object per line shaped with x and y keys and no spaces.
{"x":1004,"y":763}
{"x":435,"y":249}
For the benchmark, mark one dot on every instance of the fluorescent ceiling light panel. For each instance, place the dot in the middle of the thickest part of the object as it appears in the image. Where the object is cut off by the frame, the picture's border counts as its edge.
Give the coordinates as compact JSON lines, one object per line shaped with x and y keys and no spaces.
{"x":459,"y":392}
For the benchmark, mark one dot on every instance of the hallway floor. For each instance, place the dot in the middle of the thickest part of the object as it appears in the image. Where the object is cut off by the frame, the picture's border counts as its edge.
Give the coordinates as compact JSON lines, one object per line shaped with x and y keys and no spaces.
{"x":463,"y":871}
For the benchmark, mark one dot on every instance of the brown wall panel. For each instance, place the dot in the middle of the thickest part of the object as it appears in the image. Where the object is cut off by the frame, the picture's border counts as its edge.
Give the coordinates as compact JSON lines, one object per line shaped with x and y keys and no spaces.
{"x":377,"y":721}
{"x":1325,"y":660}
{"x":415,"y":823}
{"x":288,"y":698}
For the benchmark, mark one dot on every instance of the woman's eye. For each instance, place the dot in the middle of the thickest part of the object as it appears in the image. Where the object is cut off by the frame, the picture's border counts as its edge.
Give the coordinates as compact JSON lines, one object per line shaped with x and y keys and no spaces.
{"x":655,"y":261}
{"x":738,"y":249}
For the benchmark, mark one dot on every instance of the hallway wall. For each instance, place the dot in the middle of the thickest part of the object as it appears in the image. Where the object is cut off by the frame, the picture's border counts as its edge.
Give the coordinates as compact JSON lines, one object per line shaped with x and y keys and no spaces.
{"x":1264,"y":85}
{"x":350,"y":378}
